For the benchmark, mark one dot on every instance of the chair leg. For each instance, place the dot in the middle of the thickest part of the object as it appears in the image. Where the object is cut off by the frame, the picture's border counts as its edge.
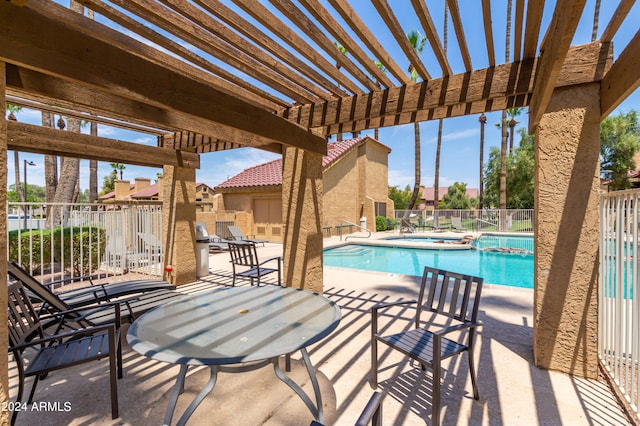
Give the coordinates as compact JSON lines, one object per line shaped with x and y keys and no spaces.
{"x":472,"y":371}
{"x":373,"y":377}
{"x":435,"y":405}
{"x":113,"y":374}
{"x":33,"y":389}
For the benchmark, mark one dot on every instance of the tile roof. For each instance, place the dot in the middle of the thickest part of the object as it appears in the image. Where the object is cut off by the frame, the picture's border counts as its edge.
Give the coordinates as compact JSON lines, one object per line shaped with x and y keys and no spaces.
{"x":270,"y":174}
{"x":148,"y":192}
{"x":429,"y":193}
{"x":112,"y":194}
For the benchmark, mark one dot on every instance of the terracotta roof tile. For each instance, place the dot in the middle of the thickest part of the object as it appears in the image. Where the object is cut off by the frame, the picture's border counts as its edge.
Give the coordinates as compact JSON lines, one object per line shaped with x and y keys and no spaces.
{"x":148,"y":192}
{"x":269,"y":174}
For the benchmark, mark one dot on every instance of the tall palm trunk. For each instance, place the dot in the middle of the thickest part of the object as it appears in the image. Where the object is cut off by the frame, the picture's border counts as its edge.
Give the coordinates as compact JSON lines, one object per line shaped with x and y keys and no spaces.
{"x":416,"y":183}
{"x":436,"y":180}
{"x":483,"y":121}
{"x":596,"y":18}
{"x":16,"y":165}
{"x":50,"y":165}
{"x":503,"y":150}
{"x":93,"y":170}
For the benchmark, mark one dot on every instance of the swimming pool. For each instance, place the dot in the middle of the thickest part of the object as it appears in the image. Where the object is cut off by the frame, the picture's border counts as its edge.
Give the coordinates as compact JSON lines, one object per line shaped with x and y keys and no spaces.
{"x":511,"y":269}
{"x":518,"y":242}
{"x":413,"y":239}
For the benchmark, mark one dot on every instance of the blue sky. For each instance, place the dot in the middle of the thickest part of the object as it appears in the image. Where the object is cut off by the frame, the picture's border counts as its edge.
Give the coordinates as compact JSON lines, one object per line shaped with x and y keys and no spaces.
{"x":460,"y":146}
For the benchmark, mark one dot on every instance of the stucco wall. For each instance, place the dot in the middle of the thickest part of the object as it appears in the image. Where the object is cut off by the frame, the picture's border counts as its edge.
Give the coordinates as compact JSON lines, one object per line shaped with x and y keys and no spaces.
{"x":567,"y":232}
{"x":340,"y":185}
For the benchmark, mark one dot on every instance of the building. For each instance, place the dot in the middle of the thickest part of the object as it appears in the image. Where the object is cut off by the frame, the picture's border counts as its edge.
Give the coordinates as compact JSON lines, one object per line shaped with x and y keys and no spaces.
{"x":428,"y":195}
{"x":355,"y":185}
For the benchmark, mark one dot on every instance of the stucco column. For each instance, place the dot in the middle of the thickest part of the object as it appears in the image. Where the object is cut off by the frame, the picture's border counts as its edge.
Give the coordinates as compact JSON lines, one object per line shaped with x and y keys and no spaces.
{"x":4,"y":336}
{"x":178,"y":224}
{"x":567,"y":230}
{"x":302,"y":217}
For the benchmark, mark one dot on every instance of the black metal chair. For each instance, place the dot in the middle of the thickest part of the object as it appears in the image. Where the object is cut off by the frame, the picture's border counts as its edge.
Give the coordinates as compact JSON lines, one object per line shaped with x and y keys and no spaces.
{"x":244,"y":259}
{"x":453,"y":298}
{"x":372,"y":413}
{"x":64,"y":349}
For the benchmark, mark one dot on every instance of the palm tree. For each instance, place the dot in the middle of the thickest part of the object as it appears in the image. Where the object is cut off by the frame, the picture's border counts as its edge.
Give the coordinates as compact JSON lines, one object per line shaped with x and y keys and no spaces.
{"x":383,"y":69}
{"x":417,"y":42}
{"x":50,"y":165}
{"x":344,"y":51}
{"x":12,"y":109}
{"x":93,"y":170}
{"x":596,"y":18}
{"x":503,"y":147}
{"x":118,"y":167}
{"x":483,"y":121}
{"x":512,"y":113}
{"x":436,"y":183}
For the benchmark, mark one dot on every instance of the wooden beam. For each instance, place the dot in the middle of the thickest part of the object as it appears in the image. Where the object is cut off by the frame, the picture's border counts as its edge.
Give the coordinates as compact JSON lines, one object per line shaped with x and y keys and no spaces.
{"x":308,"y":27}
{"x":454,"y":10}
{"x":276,"y":26}
{"x":196,"y":142}
{"x":488,"y":32}
{"x":366,"y":36}
{"x":422,"y":12}
{"x":235,"y":21}
{"x":622,"y":79}
{"x":532,"y":29}
{"x":327,"y":21}
{"x":42,"y":44}
{"x":230,"y":83}
{"x":618,"y":17}
{"x":479,"y":91}
{"x":553,"y":52}
{"x":45,"y":140}
{"x":201,"y":38}
{"x":389,"y":18}
{"x":517,"y":51}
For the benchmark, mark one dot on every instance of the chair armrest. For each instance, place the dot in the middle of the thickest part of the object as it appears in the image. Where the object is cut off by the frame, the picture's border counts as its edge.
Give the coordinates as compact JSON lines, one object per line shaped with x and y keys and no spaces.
{"x":67,"y":280}
{"x":372,"y":411}
{"x":278,"y":258}
{"x":457,"y":327}
{"x":68,"y":334}
{"x":94,"y":308}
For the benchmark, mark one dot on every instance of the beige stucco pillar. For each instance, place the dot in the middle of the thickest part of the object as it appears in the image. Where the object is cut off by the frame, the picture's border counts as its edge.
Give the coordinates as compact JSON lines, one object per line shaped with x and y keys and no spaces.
{"x":178,"y":224}
{"x":302,"y":216}
{"x":4,"y":337}
{"x":567,"y":229}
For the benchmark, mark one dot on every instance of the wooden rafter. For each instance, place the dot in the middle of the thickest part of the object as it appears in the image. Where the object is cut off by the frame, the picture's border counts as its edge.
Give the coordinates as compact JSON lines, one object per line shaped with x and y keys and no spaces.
{"x":307,"y":26}
{"x":422,"y":12}
{"x":454,"y":10}
{"x":153,"y":12}
{"x":553,"y":52}
{"x":234,"y":20}
{"x":45,"y":140}
{"x":242,"y":90}
{"x":517,"y":51}
{"x":366,"y":36}
{"x":488,"y":32}
{"x":532,"y":29}
{"x":618,"y":17}
{"x":483,"y":90}
{"x":44,"y":44}
{"x":622,"y":79}
{"x":389,"y":18}
{"x":273,"y":24}
{"x":323,"y":16}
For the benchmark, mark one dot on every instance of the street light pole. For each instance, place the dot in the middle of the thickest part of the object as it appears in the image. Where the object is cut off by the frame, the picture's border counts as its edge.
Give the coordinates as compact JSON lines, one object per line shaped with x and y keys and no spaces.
{"x":26,"y":163}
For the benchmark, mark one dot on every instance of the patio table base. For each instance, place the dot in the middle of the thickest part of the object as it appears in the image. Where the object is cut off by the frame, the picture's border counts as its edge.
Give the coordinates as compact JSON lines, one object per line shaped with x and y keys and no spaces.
{"x":178,"y":388}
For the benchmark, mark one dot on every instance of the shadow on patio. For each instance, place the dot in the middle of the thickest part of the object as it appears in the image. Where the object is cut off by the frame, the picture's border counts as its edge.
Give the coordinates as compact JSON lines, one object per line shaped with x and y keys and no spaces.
{"x":512,"y":390}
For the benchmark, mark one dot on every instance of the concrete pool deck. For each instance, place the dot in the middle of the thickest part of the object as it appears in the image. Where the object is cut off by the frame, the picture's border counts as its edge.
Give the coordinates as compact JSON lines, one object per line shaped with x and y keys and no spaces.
{"x":512,"y":390}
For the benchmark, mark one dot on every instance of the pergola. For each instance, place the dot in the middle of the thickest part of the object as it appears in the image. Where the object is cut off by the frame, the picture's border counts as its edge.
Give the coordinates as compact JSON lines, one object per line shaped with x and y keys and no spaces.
{"x":205,"y":77}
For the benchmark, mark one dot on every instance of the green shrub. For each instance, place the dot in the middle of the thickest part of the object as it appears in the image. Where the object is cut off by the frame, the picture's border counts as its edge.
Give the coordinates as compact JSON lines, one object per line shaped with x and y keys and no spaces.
{"x":77,"y":247}
{"x":381,"y":223}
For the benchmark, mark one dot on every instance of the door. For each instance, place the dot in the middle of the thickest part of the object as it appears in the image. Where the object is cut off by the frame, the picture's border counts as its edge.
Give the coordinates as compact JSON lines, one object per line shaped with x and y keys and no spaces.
{"x":267,"y":217}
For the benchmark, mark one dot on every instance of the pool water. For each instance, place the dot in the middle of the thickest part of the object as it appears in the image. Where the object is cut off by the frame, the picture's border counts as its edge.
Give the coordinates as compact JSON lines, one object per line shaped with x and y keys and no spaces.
{"x":511,"y":269}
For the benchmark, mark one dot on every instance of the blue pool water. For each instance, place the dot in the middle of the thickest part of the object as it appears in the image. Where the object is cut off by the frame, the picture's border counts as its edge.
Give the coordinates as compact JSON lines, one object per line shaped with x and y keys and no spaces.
{"x":511,"y":269}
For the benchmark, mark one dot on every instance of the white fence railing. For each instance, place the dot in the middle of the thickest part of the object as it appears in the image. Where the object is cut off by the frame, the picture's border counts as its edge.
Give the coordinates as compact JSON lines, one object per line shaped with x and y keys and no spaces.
{"x":511,"y":220}
{"x":60,"y":241}
{"x":619,"y":291}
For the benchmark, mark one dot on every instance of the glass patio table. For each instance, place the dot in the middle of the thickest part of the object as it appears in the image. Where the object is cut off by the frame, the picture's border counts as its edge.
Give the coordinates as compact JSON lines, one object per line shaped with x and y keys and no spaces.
{"x":234,"y":330}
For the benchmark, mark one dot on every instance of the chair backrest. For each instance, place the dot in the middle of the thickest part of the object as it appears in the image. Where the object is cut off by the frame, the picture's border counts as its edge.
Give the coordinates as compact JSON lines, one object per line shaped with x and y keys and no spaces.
{"x":236,"y":232}
{"x":24,"y":321}
{"x":447,"y":293}
{"x":34,"y":286}
{"x":456,"y":221}
{"x":243,"y":253}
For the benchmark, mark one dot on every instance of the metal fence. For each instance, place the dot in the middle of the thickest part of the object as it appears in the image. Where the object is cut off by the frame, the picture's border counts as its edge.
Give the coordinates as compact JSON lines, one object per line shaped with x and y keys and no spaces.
{"x":619,"y":304}
{"x":60,"y":241}
{"x":510,"y":220}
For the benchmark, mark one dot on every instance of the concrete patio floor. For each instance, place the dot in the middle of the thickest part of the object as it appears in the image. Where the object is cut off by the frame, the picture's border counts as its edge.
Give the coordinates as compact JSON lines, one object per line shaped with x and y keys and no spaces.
{"x":512,"y":390}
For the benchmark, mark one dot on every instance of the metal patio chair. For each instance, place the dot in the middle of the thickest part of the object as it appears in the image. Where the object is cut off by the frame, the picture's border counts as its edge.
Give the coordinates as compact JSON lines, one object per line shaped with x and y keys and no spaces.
{"x":48,"y":353}
{"x":451,"y":298}
{"x":244,"y":259}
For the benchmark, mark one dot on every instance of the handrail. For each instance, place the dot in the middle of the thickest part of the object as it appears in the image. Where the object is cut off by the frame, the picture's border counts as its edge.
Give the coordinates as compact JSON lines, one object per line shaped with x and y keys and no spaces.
{"x":357,"y":226}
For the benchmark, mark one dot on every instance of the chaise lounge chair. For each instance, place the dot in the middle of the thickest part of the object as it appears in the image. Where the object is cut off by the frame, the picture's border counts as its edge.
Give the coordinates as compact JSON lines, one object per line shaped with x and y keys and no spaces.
{"x":456,"y":224}
{"x":238,"y":235}
{"x":217,"y":243}
{"x":136,"y":303}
